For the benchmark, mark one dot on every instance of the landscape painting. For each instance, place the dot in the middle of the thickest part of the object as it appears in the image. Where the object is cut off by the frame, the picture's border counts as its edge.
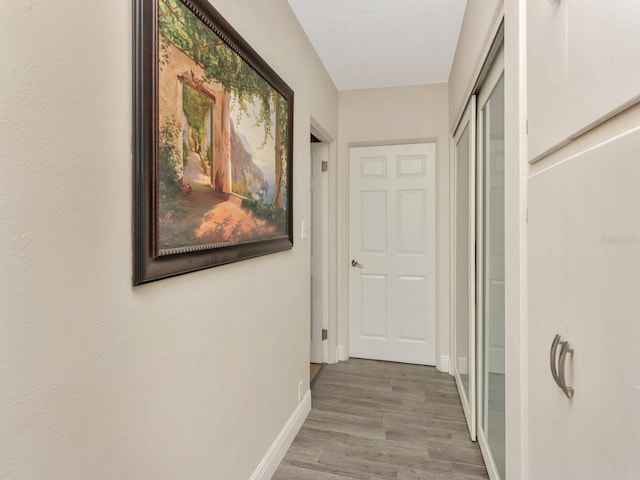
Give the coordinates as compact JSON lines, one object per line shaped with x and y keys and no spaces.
{"x":221,"y":173}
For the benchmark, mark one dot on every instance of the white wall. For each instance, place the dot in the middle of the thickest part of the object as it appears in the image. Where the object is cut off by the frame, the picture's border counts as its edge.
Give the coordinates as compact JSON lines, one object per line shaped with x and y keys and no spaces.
{"x":481,"y":19}
{"x":191,"y":377}
{"x":395,"y":115}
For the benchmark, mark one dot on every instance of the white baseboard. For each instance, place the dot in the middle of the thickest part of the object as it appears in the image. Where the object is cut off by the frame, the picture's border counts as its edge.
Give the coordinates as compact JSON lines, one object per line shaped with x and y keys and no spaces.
{"x":276,"y":453}
{"x":342,"y":353}
{"x":463,"y":365}
{"x":443,"y":366}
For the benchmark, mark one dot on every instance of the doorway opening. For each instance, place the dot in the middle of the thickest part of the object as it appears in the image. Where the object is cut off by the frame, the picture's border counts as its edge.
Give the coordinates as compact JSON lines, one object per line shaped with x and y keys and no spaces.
{"x":319,"y":254}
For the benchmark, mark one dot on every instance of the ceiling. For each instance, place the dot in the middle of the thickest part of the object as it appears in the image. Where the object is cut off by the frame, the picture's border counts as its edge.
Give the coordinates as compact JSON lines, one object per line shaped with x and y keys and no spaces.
{"x":383,"y":43}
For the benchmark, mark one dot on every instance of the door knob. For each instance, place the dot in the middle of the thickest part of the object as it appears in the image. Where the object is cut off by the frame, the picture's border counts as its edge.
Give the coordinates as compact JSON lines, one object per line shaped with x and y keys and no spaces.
{"x":354,"y":263}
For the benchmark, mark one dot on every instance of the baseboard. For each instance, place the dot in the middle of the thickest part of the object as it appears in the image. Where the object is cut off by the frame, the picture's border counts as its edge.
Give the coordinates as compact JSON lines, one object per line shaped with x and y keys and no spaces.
{"x":276,"y":453}
{"x":463,"y":366}
{"x":342,"y":354}
{"x":443,"y":366}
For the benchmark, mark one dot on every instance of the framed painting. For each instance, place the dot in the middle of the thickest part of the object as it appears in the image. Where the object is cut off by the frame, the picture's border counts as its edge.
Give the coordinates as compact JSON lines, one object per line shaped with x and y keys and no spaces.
{"x":213,"y":139}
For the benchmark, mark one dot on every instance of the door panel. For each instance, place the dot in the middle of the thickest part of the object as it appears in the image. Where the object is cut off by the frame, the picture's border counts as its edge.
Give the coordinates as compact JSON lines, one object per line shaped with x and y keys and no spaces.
{"x":548,"y":315}
{"x":393,"y":243}
{"x":412,"y":222}
{"x":374,"y":306}
{"x":603,"y":66}
{"x":491,"y":271}
{"x":584,"y":265}
{"x":373,"y":222}
{"x":603,"y":237}
{"x":547,"y":105}
{"x":412,"y":297}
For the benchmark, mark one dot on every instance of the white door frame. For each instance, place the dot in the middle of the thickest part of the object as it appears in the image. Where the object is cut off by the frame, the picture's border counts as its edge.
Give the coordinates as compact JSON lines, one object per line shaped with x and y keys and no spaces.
{"x":468,"y":120}
{"x":385,"y":349}
{"x":330,"y":243}
{"x":319,"y":269}
{"x":343,"y":247}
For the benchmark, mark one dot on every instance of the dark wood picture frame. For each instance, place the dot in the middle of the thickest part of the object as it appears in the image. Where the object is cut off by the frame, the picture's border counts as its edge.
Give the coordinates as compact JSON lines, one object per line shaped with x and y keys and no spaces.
{"x":267,"y":209}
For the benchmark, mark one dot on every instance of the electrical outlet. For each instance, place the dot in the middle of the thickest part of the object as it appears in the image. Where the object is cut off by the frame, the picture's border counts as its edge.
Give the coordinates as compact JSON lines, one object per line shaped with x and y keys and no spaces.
{"x":300,"y":387}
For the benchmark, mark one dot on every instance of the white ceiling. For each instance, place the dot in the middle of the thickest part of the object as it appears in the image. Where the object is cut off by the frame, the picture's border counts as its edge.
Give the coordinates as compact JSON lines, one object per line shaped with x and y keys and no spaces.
{"x":382,"y":43}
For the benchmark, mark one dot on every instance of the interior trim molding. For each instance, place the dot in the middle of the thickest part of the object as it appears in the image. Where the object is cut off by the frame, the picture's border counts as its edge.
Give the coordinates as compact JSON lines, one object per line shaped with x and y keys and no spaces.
{"x":443,"y":365}
{"x":276,"y":453}
{"x":342,"y":353}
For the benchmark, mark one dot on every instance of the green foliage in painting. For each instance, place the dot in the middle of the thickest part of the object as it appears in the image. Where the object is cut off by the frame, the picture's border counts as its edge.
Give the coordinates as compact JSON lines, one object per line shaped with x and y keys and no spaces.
{"x":219,"y":62}
{"x":169,"y":164}
{"x":185,"y":152}
{"x":239,"y":187}
{"x":267,"y":211}
{"x":195,"y":107}
{"x":208,"y":157}
{"x":282,"y":153}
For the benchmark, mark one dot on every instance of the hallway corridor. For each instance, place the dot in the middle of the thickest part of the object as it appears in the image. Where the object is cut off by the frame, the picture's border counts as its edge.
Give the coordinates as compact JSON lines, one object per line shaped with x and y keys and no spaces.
{"x":374,"y":420}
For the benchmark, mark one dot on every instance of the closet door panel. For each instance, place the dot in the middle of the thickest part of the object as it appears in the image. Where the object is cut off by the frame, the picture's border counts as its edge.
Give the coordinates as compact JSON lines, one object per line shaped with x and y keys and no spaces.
{"x":603,"y":265}
{"x":548,"y":316}
{"x":584,"y":265}
{"x":547,"y":75}
{"x":603,"y":59}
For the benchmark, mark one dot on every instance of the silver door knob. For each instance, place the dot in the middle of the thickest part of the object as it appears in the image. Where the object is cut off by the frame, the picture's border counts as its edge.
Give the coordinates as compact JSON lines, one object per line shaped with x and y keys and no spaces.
{"x":354,"y":263}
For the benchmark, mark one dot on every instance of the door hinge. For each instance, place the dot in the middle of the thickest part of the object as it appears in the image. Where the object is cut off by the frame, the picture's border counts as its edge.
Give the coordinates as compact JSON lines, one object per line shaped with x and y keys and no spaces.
{"x":325,"y":165}
{"x":324,"y":334}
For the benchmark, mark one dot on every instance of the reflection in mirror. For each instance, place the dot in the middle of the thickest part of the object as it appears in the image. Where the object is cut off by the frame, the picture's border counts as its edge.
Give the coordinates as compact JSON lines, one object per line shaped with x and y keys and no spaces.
{"x":492,"y":418}
{"x":462,"y":260}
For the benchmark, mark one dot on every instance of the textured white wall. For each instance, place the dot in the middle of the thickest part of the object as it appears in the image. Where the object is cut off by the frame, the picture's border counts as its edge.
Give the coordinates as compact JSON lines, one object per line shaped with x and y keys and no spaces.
{"x":396,"y":115}
{"x":191,"y":377}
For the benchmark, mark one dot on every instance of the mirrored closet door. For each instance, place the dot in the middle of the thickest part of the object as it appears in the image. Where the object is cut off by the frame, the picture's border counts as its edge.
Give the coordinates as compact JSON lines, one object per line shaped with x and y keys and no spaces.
{"x":490,"y":266}
{"x":478,"y":264}
{"x":463,"y":308}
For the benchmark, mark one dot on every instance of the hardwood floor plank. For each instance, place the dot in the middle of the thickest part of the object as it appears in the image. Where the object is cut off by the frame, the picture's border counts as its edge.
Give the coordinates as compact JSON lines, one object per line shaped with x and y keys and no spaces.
{"x":456,"y":452}
{"x":364,"y":431}
{"x":304,"y":454}
{"x":373,"y":420}
{"x":287,"y":471}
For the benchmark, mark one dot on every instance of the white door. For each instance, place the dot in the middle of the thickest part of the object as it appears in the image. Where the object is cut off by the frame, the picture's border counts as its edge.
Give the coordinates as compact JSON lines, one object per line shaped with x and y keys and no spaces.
{"x":318,"y":250}
{"x":392,"y":314}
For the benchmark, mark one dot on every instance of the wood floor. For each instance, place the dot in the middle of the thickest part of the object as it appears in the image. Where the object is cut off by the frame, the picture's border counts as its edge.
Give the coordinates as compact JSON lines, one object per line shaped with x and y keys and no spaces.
{"x":375,"y":420}
{"x":314,"y":369}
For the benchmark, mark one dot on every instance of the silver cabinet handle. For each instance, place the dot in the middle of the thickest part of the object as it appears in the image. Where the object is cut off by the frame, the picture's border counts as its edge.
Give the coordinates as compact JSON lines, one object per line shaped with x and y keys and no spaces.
{"x":558,"y":363}
{"x":553,"y":355}
{"x":566,"y":350}
{"x":354,"y":263}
